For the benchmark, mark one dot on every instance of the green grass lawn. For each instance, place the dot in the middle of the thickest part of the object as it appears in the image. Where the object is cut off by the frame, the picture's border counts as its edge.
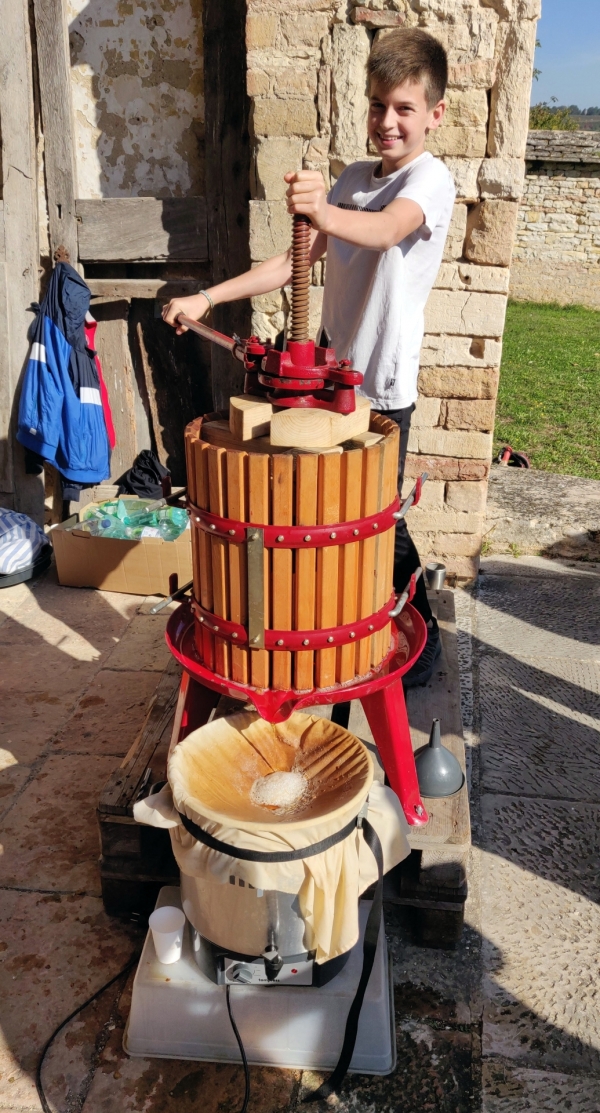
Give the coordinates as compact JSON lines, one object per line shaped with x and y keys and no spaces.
{"x":549,"y":398}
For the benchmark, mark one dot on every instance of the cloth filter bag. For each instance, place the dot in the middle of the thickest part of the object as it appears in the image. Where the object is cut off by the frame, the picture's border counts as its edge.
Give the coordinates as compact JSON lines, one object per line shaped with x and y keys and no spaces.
{"x":210,"y":776}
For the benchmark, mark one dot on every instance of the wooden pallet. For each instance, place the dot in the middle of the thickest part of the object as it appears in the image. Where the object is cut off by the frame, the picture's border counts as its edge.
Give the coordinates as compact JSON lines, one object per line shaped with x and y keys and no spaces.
{"x":431,"y":885}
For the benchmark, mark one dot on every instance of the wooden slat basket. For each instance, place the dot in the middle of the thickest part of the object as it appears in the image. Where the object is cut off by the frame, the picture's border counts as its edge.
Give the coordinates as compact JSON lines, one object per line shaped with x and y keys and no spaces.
{"x":304,"y":589}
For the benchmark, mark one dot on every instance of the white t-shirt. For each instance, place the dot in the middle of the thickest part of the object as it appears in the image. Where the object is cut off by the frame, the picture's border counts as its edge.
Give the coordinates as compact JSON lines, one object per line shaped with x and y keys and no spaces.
{"x":374,"y":301}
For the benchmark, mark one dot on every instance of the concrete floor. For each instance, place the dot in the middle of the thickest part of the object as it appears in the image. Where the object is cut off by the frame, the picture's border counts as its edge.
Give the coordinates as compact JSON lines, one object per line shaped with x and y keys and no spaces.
{"x":509,"y":1021}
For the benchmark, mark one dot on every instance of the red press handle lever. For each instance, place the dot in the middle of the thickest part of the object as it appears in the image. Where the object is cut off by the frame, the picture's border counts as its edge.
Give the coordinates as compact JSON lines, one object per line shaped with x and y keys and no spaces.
{"x":229,"y":342}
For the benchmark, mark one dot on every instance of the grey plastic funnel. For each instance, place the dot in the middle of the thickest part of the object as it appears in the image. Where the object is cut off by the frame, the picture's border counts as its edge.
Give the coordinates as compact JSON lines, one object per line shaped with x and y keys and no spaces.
{"x":438,"y":770}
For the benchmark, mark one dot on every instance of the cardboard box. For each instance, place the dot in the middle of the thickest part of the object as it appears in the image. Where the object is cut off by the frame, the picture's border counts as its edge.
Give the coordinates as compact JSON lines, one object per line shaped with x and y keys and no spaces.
{"x":136,"y":567}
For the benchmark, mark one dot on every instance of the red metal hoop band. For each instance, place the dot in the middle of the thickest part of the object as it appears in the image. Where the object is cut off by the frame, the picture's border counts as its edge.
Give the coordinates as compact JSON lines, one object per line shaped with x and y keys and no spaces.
{"x":297,"y":639}
{"x":296,"y":537}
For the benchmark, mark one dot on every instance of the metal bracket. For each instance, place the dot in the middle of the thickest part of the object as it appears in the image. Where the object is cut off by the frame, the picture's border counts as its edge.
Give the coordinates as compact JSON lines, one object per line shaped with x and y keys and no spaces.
{"x":256,"y":586}
{"x":407,"y":594}
{"x":413,"y":497}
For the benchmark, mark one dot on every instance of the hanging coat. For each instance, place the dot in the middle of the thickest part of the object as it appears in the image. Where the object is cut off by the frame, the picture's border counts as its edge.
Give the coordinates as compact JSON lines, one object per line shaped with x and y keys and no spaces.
{"x":60,"y":412}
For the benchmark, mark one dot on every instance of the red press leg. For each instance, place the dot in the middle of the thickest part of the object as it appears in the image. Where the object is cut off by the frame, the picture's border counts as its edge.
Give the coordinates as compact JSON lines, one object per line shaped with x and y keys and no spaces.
{"x":387,"y":718}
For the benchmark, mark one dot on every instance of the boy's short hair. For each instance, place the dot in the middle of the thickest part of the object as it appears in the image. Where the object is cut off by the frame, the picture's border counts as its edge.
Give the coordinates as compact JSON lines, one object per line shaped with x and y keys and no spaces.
{"x":409,"y":54}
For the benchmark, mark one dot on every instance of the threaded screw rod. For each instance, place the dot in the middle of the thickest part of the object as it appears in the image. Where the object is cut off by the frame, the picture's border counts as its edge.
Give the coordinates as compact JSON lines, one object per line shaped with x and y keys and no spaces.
{"x":300,"y":277}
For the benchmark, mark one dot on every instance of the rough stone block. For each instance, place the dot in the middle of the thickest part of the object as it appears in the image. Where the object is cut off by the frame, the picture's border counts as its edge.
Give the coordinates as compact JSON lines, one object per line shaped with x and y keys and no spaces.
{"x":258,"y":83}
{"x":351,"y":47}
{"x":457,"y":142}
{"x":375,"y":19}
{"x":446,"y":521}
{"x":457,"y":231}
{"x":509,"y":110}
{"x":490,"y":232}
{"x":464,"y":173}
{"x":304,"y":28}
{"x":274,"y":156}
{"x":270,"y":229}
{"x":460,"y":351}
{"x":501,"y":178}
{"x":459,"y":382}
{"x":467,"y":276}
{"x":466,"y":108}
{"x":261,"y":31}
{"x":432,"y":494}
{"x":468,"y":414}
{"x":296,"y":80}
{"x":315,"y":309}
{"x":295,"y":116}
{"x":469,"y":75}
{"x":447,"y":442}
{"x":456,"y":544}
{"x":445,"y":467}
{"x":427,"y":413}
{"x":468,"y":497}
{"x":461,"y":313}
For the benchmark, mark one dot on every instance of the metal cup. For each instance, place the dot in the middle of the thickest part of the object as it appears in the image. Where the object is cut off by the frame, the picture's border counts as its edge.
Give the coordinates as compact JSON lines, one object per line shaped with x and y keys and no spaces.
{"x":436,"y":574}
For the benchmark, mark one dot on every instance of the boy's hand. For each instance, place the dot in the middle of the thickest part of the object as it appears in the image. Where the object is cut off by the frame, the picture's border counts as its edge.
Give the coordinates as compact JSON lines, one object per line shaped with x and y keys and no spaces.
{"x":307,"y":194}
{"x":196,"y":307}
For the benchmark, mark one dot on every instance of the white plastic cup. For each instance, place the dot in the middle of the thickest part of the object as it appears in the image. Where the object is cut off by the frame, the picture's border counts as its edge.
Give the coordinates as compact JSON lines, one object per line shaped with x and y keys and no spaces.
{"x":167,"y":924}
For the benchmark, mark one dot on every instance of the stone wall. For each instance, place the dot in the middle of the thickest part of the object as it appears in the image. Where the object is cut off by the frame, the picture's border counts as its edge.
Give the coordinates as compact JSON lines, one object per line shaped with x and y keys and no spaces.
{"x":557,"y":249}
{"x":306,"y":78}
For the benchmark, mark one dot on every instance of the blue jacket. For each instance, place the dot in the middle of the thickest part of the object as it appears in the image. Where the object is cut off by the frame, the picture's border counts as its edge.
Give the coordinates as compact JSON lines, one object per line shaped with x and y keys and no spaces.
{"x":60,"y":411}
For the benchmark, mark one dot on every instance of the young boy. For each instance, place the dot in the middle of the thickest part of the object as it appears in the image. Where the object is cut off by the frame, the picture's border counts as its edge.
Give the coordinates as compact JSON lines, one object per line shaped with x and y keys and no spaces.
{"x":383,"y":226}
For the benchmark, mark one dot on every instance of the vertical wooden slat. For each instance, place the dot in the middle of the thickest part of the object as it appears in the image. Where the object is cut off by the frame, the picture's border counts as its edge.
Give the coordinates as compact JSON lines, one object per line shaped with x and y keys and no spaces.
{"x":351,"y":488}
{"x":283,"y":515}
{"x":328,"y":511}
{"x":385,"y":553}
{"x":258,"y":511}
{"x":218,"y":504}
{"x":237,"y":483}
{"x":201,"y":451}
{"x":370,"y":489}
{"x":306,"y":562}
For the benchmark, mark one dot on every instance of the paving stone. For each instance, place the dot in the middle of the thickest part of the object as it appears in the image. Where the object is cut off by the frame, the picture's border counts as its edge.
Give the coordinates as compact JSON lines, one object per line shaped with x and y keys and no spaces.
{"x":51,"y":839}
{"x":526,"y":566}
{"x":29,"y":720}
{"x":540,"y":617}
{"x":55,"y":951}
{"x":12,"y":780}
{"x":508,"y":1089}
{"x":541,"y":930}
{"x":109,"y":715}
{"x":540,"y":725}
{"x":143,"y":645}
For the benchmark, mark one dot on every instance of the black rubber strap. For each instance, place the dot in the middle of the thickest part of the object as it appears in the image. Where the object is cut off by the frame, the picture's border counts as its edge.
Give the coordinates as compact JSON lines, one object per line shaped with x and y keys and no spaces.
{"x":333,"y":1083}
{"x":260,"y":856}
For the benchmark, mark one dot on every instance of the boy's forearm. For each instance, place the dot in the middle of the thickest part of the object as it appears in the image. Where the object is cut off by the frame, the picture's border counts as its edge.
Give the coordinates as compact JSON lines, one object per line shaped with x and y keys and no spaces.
{"x":270,"y":275}
{"x":376,"y":231}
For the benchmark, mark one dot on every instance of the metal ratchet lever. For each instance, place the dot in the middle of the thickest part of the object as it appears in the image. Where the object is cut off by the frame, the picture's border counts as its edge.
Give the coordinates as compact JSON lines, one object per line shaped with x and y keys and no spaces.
{"x":413,"y":497}
{"x":402,"y":599}
{"x":233,"y":345}
{"x":171,"y":598}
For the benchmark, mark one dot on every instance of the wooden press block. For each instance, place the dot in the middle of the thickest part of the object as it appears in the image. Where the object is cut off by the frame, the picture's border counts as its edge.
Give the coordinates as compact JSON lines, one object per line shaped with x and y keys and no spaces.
{"x":219,"y":434}
{"x":313,"y":428}
{"x":249,"y":417}
{"x":367,"y":439}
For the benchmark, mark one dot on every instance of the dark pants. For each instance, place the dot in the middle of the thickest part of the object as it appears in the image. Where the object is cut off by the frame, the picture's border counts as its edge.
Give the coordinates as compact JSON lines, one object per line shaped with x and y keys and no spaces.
{"x":406,"y":557}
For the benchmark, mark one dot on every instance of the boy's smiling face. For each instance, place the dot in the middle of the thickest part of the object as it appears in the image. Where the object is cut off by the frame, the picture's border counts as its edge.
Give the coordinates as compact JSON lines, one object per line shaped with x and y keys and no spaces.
{"x":398,"y":122}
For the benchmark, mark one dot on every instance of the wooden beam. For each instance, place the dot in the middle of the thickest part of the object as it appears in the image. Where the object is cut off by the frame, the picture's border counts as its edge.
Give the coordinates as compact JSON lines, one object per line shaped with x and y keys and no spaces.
{"x":57,"y":120}
{"x":227,"y":175}
{"x":116,"y":289}
{"x":128,"y":229}
{"x":20,"y":266}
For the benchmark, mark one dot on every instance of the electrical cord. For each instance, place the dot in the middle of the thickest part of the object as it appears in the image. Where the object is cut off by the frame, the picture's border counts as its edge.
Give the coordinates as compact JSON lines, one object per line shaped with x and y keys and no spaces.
{"x":38,"y":1073}
{"x":242,"y":1052}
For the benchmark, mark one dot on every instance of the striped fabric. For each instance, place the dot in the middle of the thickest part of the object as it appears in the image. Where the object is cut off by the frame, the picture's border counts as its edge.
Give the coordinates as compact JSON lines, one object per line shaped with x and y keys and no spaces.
{"x":21,"y":541}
